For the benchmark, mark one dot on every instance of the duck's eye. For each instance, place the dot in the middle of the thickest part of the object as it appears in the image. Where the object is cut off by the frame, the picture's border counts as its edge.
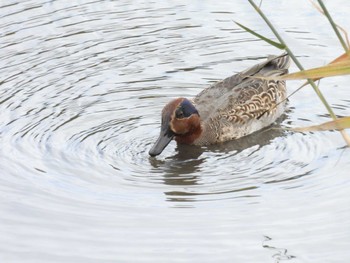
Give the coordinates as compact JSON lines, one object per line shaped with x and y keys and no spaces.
{"x":179,"y":114}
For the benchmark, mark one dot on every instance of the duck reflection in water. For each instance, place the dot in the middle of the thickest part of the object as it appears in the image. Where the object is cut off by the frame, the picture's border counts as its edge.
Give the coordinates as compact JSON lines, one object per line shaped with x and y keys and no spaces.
{"x":184,"y":167}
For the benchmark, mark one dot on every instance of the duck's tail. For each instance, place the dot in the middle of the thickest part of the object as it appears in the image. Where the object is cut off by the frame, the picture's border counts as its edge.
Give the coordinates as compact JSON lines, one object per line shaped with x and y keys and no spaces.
{"x":275,"y":65}
{"x":281,"y":61}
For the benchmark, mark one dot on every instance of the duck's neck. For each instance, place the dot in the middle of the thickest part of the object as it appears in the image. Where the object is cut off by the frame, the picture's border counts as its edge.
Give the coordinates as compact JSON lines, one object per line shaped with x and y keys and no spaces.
{"x":189,"y":137}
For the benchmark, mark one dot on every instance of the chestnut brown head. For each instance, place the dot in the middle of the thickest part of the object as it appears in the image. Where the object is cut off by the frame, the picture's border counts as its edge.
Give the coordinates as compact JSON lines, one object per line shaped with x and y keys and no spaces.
{"x":180,"y":119}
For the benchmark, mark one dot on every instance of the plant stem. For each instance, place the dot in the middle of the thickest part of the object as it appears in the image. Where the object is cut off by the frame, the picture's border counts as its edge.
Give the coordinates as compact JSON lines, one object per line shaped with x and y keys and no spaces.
{"x":334,"y":26}
{"x":296,"y":61}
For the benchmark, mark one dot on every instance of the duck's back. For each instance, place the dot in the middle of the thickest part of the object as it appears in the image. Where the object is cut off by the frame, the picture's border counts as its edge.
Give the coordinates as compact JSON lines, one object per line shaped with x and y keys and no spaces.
{"x":240,"y":104}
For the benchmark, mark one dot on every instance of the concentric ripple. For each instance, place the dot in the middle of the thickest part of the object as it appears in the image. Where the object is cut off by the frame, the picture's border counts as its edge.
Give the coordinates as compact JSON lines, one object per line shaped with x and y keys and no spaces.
{"x":82,"y":85}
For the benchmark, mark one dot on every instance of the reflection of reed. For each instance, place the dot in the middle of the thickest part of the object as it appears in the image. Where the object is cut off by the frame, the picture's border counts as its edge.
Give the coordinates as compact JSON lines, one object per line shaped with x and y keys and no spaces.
{"x":279,"y":253}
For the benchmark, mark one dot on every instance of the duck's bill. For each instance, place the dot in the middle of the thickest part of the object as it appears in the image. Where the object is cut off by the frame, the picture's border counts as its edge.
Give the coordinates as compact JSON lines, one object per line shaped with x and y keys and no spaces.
{"x":162,"y":142}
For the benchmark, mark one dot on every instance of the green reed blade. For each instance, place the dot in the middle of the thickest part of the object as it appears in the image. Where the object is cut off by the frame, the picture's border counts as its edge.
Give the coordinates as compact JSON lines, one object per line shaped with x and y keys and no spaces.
{"x":334,"y":25}
{"x":271,"y":42}
{"x":298,"y":64}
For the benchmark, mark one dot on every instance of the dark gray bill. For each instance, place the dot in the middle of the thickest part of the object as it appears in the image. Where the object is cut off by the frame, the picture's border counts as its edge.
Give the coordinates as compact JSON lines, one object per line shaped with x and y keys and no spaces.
{"x":163,"y":140}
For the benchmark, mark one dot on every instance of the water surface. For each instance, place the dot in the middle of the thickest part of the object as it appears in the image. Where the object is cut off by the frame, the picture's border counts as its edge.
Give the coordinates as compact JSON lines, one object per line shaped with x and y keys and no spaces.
{"x":82,"y":87}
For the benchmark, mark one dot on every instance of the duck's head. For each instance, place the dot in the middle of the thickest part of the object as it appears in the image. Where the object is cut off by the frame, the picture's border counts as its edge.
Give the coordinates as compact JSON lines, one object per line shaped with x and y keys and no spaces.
{"x":180,"y":119}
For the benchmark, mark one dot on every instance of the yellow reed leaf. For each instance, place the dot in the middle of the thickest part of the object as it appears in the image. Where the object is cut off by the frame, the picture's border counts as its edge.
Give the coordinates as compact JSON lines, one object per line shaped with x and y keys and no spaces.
{"x":338,"y":124}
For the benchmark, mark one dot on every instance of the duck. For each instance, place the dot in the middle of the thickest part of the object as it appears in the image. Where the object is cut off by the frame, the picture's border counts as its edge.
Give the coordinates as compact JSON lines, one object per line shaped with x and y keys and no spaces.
{"x":227,"y":110}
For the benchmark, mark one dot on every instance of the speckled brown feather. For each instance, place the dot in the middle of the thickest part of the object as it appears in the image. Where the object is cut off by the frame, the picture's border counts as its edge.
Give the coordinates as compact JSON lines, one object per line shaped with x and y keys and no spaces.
{"x":230,"y":109}
{"x":239,"y":105}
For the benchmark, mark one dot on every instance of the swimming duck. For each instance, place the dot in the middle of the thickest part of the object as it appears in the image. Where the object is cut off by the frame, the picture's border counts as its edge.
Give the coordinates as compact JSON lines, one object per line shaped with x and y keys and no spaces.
{"x":230,"y":109}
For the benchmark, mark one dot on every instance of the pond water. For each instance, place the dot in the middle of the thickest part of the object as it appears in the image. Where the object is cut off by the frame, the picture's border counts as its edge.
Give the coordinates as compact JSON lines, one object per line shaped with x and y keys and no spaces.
{"x":82,"y":87}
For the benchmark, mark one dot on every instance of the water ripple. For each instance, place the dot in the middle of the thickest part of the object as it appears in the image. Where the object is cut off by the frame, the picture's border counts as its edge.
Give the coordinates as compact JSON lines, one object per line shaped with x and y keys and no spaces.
{"x":81,"y":90}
